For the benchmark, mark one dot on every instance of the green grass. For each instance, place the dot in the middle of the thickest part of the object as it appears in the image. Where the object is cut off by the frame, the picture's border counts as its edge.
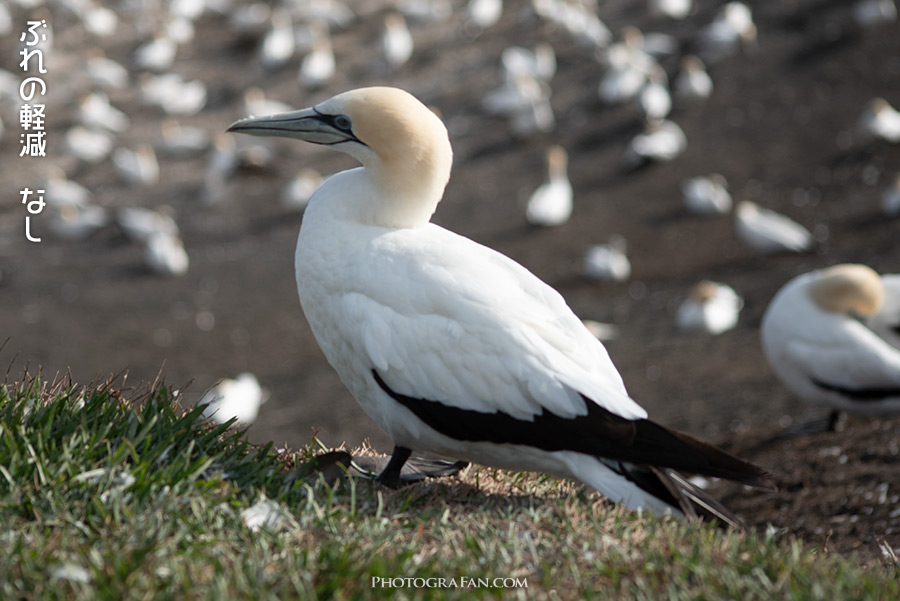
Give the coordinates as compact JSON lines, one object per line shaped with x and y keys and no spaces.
{"x":103,"y":497}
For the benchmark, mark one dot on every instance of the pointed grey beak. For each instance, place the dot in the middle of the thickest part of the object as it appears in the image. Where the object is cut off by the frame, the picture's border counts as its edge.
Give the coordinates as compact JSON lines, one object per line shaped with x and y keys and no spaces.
{"x":305,"y":124}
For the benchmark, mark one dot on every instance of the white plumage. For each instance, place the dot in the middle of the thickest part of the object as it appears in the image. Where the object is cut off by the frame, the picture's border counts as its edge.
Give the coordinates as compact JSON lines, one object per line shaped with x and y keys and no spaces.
{"x":711,"y":307}
{"x":886,"y":322}
{"x":706,"y":195}
{"x":821,"y":352}
{"x":551,"y":204}
{"x":239,"y":398}
{"x":768,"y":231}
{"x":450,"y":346}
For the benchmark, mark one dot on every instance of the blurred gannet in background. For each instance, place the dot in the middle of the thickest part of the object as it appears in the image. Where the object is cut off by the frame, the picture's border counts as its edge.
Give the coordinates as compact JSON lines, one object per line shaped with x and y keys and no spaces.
{"x":156,"y":55}
{"x":674,"y":9}
{"x":662,"y":141}
{"x":182,"y":141}
{"x":551,"y":203}
{"x":821,"y":352}
{"x":427,"y":11}
{"x":880,"y":120}
{"x":768,"y":231}
{"x":732,"y":28}
{"x":139,"y":224}
{"x":525,"y":102}
{"x":299,"y":190}
{"x":278,"y":44}
{"x":539,"y":63}
{"x":249,"y":20}
{"x":221,"y":162}
{"x":164,"y":254}
{"x":578,"y":18}
{"x":627,"y":69}
{"x":95,"y":112}
{"x":88,"y":145}
{"x":692,"y":82}
{"x":608,"y":261}
{"x":868,"y":13}
{"x":484,"y":13}
{"x":62,"y":192}
{"x":396,"y":40}
{"x":706,"y":195}
{"x":99,"y":20}
{"x":173,"y":94}
{"x":711,"y":307}
{"x":514,"y":380}
{"x":104,"y":72}
{"x":318,"y":65}
{"x":239,"y":398}
{"x":138,"y":166}
{"x":654,"y":99}
{"x":890,"y":198}
{"x":73,"y":222}
{"x":256,"y":103}
{"x":886,"y":322}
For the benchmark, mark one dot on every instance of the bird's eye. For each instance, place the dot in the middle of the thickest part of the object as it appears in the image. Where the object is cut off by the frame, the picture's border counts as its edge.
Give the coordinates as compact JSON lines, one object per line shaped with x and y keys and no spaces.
{"x":342,"y":122}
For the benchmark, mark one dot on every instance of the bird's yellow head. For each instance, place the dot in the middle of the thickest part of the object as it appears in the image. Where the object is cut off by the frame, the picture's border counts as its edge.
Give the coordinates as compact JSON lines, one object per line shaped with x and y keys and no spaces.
{"x":848,"y":288}
{"x":403,"y":145}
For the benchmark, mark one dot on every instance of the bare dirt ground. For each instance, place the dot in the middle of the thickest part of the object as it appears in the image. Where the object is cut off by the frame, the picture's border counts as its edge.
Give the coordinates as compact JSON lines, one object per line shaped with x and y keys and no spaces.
{"x":779,"y":126}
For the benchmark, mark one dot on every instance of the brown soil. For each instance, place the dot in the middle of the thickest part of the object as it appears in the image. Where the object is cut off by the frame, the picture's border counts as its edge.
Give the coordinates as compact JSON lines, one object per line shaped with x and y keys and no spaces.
{"x":779,"y":127}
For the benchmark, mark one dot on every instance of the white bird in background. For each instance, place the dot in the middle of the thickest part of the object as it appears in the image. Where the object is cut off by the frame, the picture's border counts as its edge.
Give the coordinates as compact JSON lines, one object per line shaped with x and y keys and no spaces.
{"x":95,"y":112}
{"x":239,"y":398}
{"x":516,"y":61}
{"x":164,"y":254}
{"x":551,"y":204}
{"x":139,"y":224}
{"x":137,"y":167}
{"x":662,"y":141}
{"x":484,"y":13}
{"x":674,"y":9}
{"x":890,"y":198}
{"x":156,"y":55}
{"x":880,"y":120}
{"x":88,"y":145}
{"x":75,"y":222}
{"x":608,"y":261}
{"x":821,"y":352}
{"x":182,"y":140}
{"x":514,"y":380}
{"x":63,"y":192}
{"x":525,"y":102}
{"x":732,"y":28}
{"x":886,"y":322}
{"x":654,"y":99}
{"x":318,"y":65}
{"x":710,"y":307}
{"x":256,"y":103}
{"x":706,"y":195}
{"x":692,"y":82}
{"x":299,"y":190}
{"x":396,"y":40}
{"x":278,"y":45}
{"x":105,"y":72}
{"x":173,"y":94}
{"x":768,"y":231}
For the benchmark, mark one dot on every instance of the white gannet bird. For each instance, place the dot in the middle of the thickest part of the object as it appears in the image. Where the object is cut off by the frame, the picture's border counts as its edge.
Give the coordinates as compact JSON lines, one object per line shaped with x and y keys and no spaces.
{"x":886,"y":322}
{"x":551,"y":204}
{"x":173,"y":94}
{"x":660,"y":141}
{"x":868,"y":13}
{"x":157,"y":54}
{"x":239,"y":398}
{"x":278,"y":45}
{"x":692,"y":82}
{"x":105,"y":72}
{"x":87,"y":144}
{"x":139,"y":224}
{"x":296,"y":194}
{"x":484,"y":13}
{"x":706,"y":195}
{"x":880,"y":120}
{"x":674,"y":9}
{"x":732,"y":28}
{"x":710,"y":307}
{"x":318,"y":65}
{"x":138,"y":166}
{"x":95,"y":112}
{"x":165,"y":255}
{"x":452,"y":347}
{"x":890,"y":198}
{"x":768,"y":231}
{"x":608,"y":261}
{"x":396,"y":40}
{"x":821,"y":352}
{"x":654,"y":99}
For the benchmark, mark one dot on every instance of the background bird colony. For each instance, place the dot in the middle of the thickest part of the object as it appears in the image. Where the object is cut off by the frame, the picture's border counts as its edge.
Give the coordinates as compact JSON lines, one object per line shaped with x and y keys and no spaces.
{"x":642,"y":157}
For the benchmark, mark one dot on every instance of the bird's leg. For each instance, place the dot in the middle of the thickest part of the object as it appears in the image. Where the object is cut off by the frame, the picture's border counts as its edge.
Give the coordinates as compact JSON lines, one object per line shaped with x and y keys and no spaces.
{"x":390,"y":477}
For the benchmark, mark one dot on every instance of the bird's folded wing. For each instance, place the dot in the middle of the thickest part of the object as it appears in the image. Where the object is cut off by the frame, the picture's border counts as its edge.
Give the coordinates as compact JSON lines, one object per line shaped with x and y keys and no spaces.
{"x":488,"y":336}
{"x":863,"y":365}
